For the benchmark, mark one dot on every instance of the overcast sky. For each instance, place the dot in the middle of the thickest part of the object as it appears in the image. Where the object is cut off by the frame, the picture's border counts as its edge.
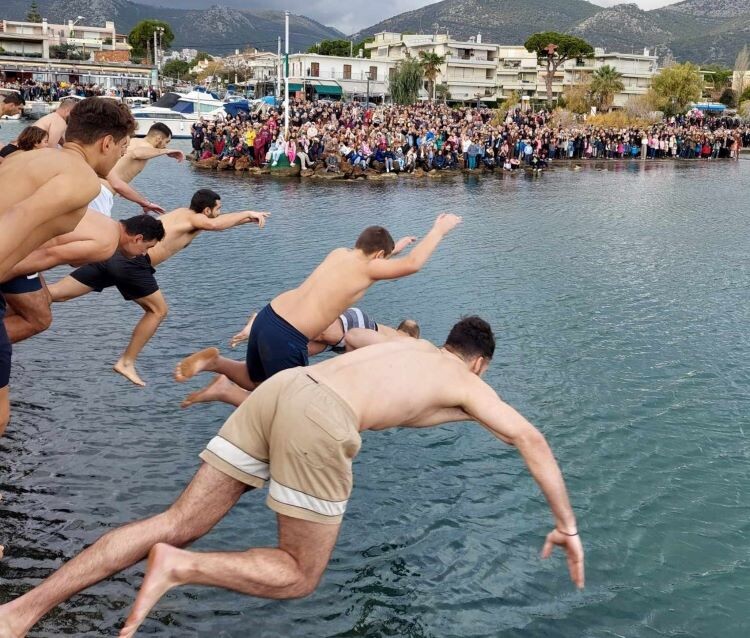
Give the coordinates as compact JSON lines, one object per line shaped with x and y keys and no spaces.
{"x":349,"y":16}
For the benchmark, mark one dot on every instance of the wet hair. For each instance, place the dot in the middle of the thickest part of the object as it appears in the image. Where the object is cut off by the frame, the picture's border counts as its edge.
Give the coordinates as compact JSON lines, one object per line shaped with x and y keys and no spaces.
{"x":204,"y":198}
{"x":471,"y":337}
{"x":160,"y":128}
{"x":30,"y":137}
{"x":373,"y":239}
{"x":13,"y":98}
{"x":94,"y":118}
{"x":410,"y":327}
{"x":149,"y":227}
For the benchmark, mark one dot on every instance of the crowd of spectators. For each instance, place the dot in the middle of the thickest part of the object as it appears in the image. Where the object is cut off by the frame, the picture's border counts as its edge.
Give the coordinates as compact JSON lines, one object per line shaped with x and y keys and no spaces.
{"x":325,"y":134}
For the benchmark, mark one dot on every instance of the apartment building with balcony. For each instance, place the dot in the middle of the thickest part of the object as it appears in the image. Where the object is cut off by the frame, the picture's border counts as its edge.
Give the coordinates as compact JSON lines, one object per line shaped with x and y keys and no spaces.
{"x":479,"y":71}
{"x":637,"y":71}
{"x":35,"y":39}
{"x":332,"y":76}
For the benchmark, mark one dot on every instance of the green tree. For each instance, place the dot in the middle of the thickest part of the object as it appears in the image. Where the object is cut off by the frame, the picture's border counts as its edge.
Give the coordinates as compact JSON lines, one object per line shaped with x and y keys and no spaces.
{"x":332,"y":47}
{"x":406,"y":81}
{"x":176,"y":69}
{"x":553,"y":49}
{"x":719,"y":76}
{"x":200,"y":56}
{"x":606,"y":81}
{"x":141,"y":38}
{"x":676,"y":87}
{"x":728,"y":98}
{"x":442,"y":92}
{"x":33,"y":15}
{"x":431,"y":63}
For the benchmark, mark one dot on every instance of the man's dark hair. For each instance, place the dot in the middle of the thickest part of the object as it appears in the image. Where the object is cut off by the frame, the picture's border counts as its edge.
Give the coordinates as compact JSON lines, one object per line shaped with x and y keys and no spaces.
{"x":204,"y":198}
{"x":13,"y":98}
{"x":410,"y":327}
{"x":30,"y":137}
{"x":94,"y":118}
{"x":373,"y":239}
{"x":159,"y":127}
{"x":471,"y":337}
{"x":150,"y":227}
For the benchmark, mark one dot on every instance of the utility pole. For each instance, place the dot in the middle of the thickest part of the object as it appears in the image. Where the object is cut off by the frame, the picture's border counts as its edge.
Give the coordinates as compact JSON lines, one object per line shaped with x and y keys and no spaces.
{"x":278,"y":72}
{"x":156,"y":64}
{"x":286,"y":76}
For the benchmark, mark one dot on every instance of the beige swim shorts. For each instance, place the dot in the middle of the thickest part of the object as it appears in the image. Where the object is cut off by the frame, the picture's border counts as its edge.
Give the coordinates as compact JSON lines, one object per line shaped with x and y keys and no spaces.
{"x":298,"y":435}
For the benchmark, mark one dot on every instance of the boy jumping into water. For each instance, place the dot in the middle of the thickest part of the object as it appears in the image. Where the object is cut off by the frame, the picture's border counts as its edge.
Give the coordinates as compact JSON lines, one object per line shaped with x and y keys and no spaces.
{"x":135,"y":279}
{"x":282,"y":330}
{"x":299,"y":432}
{"x":46,"y":193}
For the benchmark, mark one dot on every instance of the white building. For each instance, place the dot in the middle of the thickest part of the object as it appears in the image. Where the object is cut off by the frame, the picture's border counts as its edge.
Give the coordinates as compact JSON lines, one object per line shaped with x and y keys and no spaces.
{"x":336,"y":76}
{"x":478,"y":71}
{"x":34,"y":39}
{"x":637,"y":71}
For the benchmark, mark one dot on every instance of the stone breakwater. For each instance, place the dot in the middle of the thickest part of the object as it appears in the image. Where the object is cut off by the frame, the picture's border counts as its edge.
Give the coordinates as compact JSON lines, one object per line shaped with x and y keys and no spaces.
{"x":347,"y":172}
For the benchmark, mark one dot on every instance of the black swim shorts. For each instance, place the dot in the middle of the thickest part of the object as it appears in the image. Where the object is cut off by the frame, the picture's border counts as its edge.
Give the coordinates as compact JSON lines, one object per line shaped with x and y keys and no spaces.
{"x":21,"y":285}
{"x":134,"y":278}
{"x":5,"y":348}
{"x":274,"y":345}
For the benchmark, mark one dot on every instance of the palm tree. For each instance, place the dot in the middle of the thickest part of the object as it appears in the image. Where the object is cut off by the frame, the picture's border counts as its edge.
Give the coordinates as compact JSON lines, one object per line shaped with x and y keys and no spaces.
{"x":605,"y":82}
{"x":431,"y":63}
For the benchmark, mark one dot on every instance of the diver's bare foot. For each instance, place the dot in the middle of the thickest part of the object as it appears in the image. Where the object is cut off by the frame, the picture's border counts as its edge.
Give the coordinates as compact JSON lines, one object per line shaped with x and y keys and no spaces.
{"x":159,"y":579}
{"x":244,"y":334}
{"x":195,"y":363}
{"x":127,"y":370}
{"x":214,"y":391}
{"x":7,"y":628}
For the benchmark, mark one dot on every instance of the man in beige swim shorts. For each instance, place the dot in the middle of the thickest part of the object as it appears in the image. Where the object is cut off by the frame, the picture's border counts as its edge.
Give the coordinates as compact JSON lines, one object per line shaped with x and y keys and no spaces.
{"x":300,"y":431}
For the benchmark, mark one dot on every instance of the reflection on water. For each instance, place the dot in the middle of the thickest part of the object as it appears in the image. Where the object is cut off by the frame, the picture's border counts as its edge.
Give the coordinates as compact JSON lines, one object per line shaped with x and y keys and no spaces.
{"x":618,"y":294}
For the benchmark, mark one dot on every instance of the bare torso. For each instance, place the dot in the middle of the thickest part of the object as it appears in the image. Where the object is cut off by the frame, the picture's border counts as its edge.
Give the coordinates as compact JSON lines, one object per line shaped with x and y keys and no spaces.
{"x":45,"y":176}
{"x":127,"y":167}
{"x":335,"y":285}
{"x":179,"y":233}
{"x":405,"y":382}
{"x":55,"y":126}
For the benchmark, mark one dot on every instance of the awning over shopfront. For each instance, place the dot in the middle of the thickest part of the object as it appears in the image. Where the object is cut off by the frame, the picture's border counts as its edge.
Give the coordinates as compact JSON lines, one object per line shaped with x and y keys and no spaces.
{"x":323,"y":89}
{"x":293,"y":87}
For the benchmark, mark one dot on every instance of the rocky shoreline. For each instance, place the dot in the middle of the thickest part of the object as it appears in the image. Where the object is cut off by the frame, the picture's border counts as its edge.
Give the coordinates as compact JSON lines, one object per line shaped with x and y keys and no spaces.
{"x":350,"y":173}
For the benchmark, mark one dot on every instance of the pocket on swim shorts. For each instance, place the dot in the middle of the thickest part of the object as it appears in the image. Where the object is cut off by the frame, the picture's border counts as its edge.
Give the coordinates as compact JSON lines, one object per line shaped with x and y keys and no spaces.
{"x":326,"y":441}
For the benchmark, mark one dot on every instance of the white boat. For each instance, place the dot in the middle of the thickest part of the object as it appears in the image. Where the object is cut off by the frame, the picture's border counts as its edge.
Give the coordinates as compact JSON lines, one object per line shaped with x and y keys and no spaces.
{"x":178,"y":111}
{"x":37,"y":109}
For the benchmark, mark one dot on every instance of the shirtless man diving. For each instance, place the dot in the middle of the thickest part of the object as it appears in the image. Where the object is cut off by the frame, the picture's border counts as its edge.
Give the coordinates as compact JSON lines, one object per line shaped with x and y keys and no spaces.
{"x":28,"y":297}
{"x":135,"y":279}
{"x":347,"y":333}
{"x":301,"y":429}
{"x":46,"y":192}
{"x":282,"y":330}
{"x":134,"y":161}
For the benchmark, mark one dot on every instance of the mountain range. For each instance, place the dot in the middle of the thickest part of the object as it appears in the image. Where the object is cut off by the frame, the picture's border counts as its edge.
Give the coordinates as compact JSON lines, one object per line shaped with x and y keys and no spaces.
{"x":702,"y":31}
{"x":215,"y":29}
